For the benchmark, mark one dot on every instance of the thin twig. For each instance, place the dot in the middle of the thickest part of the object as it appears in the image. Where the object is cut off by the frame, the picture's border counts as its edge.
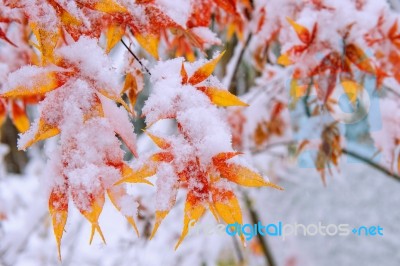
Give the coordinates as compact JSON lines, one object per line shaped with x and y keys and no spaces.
{"x":372,"y":164}
{"x":344,"y":151}
{"x":263,"y":241}
{"x":239,"y":61}
{"x":256,"y":151}
{"x":136,"y":58}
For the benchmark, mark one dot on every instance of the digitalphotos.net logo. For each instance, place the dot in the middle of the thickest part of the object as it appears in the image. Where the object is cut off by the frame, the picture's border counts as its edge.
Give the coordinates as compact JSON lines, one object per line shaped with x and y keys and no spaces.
{"x":284,"y":230}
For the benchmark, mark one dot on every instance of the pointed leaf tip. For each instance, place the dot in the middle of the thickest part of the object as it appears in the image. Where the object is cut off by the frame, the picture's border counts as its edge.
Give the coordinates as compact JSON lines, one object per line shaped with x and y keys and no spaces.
{"x":205,"y":70}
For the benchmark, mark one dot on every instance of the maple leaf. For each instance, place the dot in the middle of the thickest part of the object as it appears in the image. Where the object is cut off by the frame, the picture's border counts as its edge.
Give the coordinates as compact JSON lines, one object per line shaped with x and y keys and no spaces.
{"x":223,"y":201}
{"x":305,"y":37}
{"x":217,"y":96}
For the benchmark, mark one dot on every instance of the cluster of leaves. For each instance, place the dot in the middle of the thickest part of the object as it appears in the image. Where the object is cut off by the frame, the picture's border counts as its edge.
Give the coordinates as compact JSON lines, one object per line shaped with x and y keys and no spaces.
{"x":56,"y":54}
{"x":67,"y":72}
{"x":320,"y":61}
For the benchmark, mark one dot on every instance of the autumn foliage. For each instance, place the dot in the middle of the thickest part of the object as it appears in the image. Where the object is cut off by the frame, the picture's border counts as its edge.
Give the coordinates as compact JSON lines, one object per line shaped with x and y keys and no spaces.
{"x":59,"y":56}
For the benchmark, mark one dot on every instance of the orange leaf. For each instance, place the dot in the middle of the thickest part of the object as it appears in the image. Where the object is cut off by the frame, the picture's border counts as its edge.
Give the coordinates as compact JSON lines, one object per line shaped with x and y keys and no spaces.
{"x":184,"y":74}
{"x":223,"y":156}
{"x":302,"y":32}
{"x":244,"y":176}
{"x":162,"y":157}
{"x":227,"y":5}
{"x":139,"y":176}
{"x":357,"y":56}
{"x":58,"y":208}
{"x":93,"y":211}
{"x":205,"y":70}
{"x":19,"y":117}
{"x":221,"y":97}
{"x":194,"y":209}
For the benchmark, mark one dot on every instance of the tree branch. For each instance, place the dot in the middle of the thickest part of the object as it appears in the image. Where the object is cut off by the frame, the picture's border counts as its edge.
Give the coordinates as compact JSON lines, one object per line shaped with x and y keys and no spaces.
{"x":353,"y":154}
{"x":263,"y":241}
{"x":232,"y":83}
{"x":372,"y":164}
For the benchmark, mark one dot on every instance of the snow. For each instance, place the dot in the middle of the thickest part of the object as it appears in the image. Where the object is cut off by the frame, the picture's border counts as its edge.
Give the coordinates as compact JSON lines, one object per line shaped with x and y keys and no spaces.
{"x":177,"y":10}
{"x":86,"y":157}
{"x":91,"y":60}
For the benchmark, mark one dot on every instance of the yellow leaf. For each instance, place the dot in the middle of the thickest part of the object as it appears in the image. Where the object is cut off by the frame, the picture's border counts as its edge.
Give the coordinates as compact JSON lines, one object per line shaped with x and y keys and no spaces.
{"x":44,"y":131}
{"x":69,"y":20}
{"x":19,"y":117}
{"x":109,"y":6}
{"x":301,"y":31}
{"x":297,"y":90}
{"x":243,"y":176}
{"x":139,"y":176}
{"x":58,"y":208}
{"x":47,"y":41}
{"x":114,"y":34}
{"x":205,"y":70}
{"x":285,"y":60}
{"x":357,"y":56}
{"x":351,"y":88}
{"x":116,"y":194}
{"x":92,"y":212}
{"x":193,"y":211}
{"x":149,"y":43}
{"x":228,"y":208}
{"x":222,"y":97}
{"x":40,"y":83}
{"x":160,"y":142}
{"x":131,"y":89}
{"x":160,"y":215}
